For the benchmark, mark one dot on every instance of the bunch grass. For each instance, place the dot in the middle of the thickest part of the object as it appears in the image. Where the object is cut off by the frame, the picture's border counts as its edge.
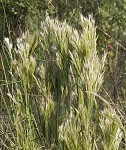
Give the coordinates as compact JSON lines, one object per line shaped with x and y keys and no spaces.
{"x":51,"y":98}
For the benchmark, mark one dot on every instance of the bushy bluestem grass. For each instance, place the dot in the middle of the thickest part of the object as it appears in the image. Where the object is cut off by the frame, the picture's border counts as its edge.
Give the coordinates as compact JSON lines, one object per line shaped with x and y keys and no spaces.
{"x":52,"y":96}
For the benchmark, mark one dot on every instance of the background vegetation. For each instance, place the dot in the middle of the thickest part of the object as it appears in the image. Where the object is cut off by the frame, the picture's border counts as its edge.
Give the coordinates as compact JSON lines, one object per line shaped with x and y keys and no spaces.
{"x":62,"y":74}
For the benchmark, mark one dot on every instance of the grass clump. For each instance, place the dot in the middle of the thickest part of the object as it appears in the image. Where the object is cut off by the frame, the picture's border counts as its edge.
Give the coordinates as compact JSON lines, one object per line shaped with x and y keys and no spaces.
{"x":51,"y":96}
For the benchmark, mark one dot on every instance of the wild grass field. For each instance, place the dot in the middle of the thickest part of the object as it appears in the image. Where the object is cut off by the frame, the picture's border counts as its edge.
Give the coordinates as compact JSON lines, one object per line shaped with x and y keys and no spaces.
{"x":52,"y":94}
